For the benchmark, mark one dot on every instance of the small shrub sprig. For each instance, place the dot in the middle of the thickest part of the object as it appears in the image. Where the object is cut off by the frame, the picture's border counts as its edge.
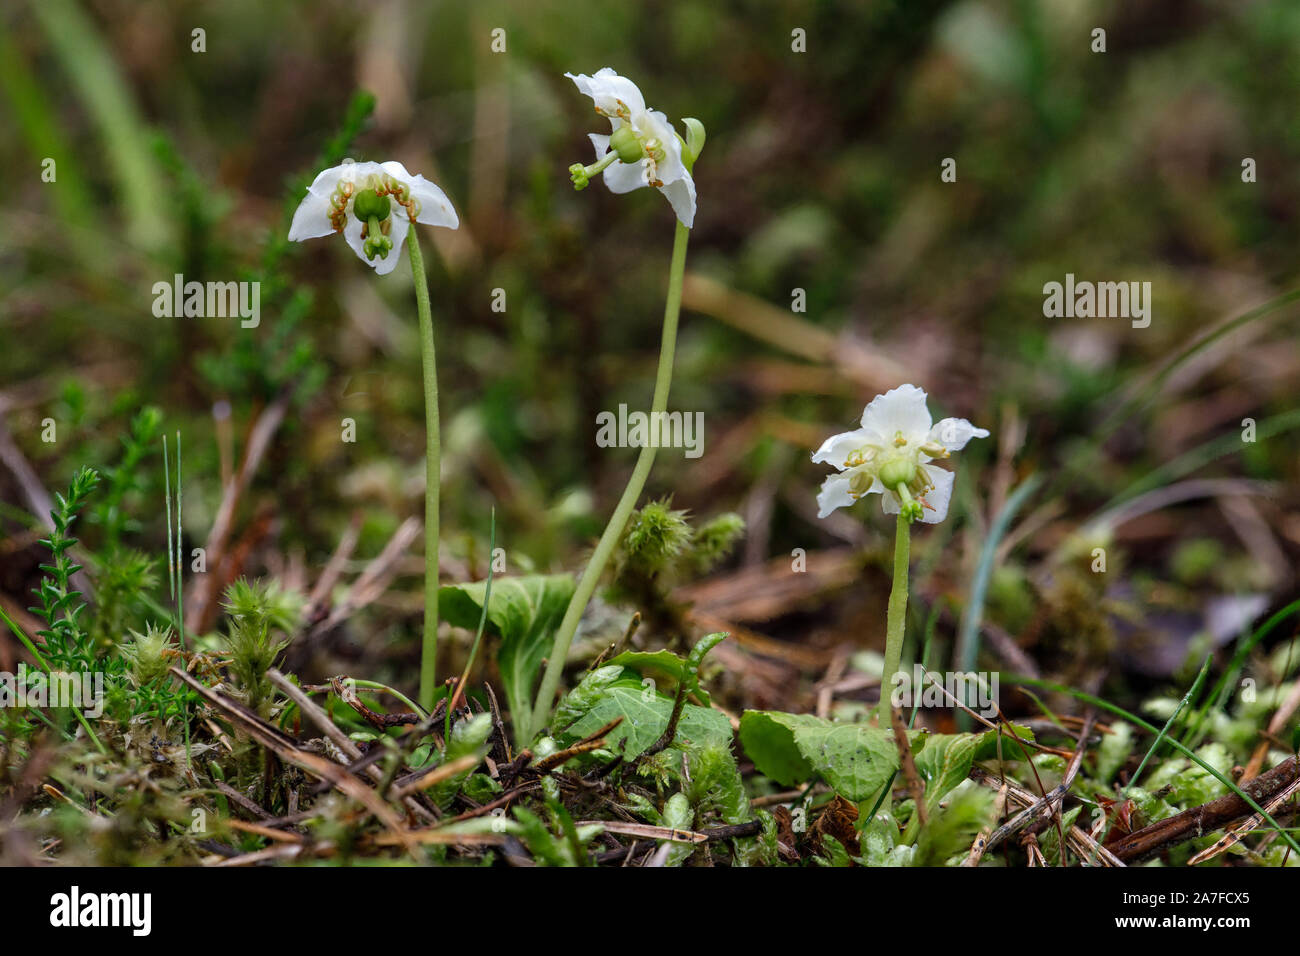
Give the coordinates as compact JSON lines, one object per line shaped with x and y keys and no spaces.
{"x":61,"y":606}
{"x":126,"y":477}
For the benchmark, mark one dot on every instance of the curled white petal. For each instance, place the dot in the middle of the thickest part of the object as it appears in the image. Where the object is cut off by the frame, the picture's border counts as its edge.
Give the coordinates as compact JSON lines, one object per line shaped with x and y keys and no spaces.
{"x":900,"y":409}
{"x":652,"y":126}
{"x":311,"y":219}
{"x":435,"y":208}
{"x":612,"y":94}
{"x":837,"y":449}
{"x":625,"y":177}
{"x":834,"y":494}
{"x":397,"y":233}
{"x":954,"y":433}
{"x":680,"y":194}
{"x":352,"y":235}
{"x":937,"y":498}
{"x":397,"y":170}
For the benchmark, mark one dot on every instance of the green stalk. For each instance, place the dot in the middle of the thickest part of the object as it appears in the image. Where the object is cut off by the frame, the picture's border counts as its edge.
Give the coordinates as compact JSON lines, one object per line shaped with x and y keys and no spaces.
{"x":432,"y":477}
{"x":635,"y":484}
{"x":896,"y":619}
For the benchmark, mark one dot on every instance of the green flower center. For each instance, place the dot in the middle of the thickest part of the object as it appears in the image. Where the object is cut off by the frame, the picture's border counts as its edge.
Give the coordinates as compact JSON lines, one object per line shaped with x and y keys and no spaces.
{"x":625,"y":142}
{"x":898,"y":471}
{"x":370,"y":205}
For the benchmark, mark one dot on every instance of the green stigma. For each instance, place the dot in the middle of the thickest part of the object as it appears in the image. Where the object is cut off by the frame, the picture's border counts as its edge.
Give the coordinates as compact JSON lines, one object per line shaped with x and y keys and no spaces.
{"x":582,"y":175}
{"x":376,"y":243}
{"x":909,"y":507}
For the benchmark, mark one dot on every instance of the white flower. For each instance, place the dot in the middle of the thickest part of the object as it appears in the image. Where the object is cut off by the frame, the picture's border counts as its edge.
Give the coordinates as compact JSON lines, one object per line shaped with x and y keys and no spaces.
{"x":888,"y":455}
{"x":644,"y":141}
{"x":390,"y":200}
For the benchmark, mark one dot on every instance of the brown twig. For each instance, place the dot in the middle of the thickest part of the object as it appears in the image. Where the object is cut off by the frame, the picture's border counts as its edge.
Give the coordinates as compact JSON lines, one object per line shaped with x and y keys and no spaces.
{"x":284,"y":748}
{"x":915,"y":785}
{"x":1049,"y":803}
{"x":1208,"y":816}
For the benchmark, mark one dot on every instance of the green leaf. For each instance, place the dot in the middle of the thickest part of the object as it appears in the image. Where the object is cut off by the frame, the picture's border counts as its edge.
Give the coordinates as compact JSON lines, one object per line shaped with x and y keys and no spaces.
{"x":667,"y":666}
{"x":944,"y":762}
{"x":768,"y":738}
{"x":467,"y":737}
{"x":990,"y":747}
{"x":645,"y":717}
{"x":584,"y":697}
{"x":524,"y":612}
{"x":663,"y":667}
{"x":856,"y":759}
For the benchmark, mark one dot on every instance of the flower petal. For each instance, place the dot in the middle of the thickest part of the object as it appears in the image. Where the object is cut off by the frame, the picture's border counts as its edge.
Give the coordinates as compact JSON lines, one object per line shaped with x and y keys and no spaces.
{"x":836,"y":449}
{"x":900,"y":409}
{"x":654,"y":125}
{"x":397,"y":170}
{"x":625,"y":177}
{"x":954,"y":433}
{"x":435,"y":208}
{"x":834,"y":494}
{"x":680,"y":194}
{"x":352,"y":235}
{"x":311,"y":219}
{"x":607,"y":89}
{"x":938,"y":496}
{"x":601,"y":142}
{"x":397,"y":233}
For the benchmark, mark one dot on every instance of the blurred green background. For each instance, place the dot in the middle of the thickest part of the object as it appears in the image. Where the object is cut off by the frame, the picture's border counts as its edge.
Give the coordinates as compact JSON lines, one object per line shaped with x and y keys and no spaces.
{"x":821,"y":174}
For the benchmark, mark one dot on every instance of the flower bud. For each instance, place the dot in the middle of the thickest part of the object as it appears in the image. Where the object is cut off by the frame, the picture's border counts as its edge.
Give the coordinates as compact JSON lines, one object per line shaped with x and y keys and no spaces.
{"x":694,"y":141}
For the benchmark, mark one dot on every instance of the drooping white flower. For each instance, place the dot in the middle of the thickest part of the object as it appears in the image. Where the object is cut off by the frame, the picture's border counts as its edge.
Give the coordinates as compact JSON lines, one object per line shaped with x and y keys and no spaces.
{"x":373,"y":206}
{"x":889,"y":456}
{"x":642,"y":148}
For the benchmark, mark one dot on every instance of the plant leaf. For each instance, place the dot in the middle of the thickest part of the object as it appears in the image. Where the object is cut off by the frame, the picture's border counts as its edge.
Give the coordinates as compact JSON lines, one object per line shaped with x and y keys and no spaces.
{"x":524,"y":612}
{"x":645,"y":717}
{"x":944,"y":762}
{"x":856,"y":759}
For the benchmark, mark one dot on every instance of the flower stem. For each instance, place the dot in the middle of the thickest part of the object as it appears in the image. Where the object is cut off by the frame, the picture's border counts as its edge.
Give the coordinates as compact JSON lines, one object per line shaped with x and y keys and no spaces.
{"x":623,"y":511}
{"x":896,"y":618}
{"x":432,"y":477}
